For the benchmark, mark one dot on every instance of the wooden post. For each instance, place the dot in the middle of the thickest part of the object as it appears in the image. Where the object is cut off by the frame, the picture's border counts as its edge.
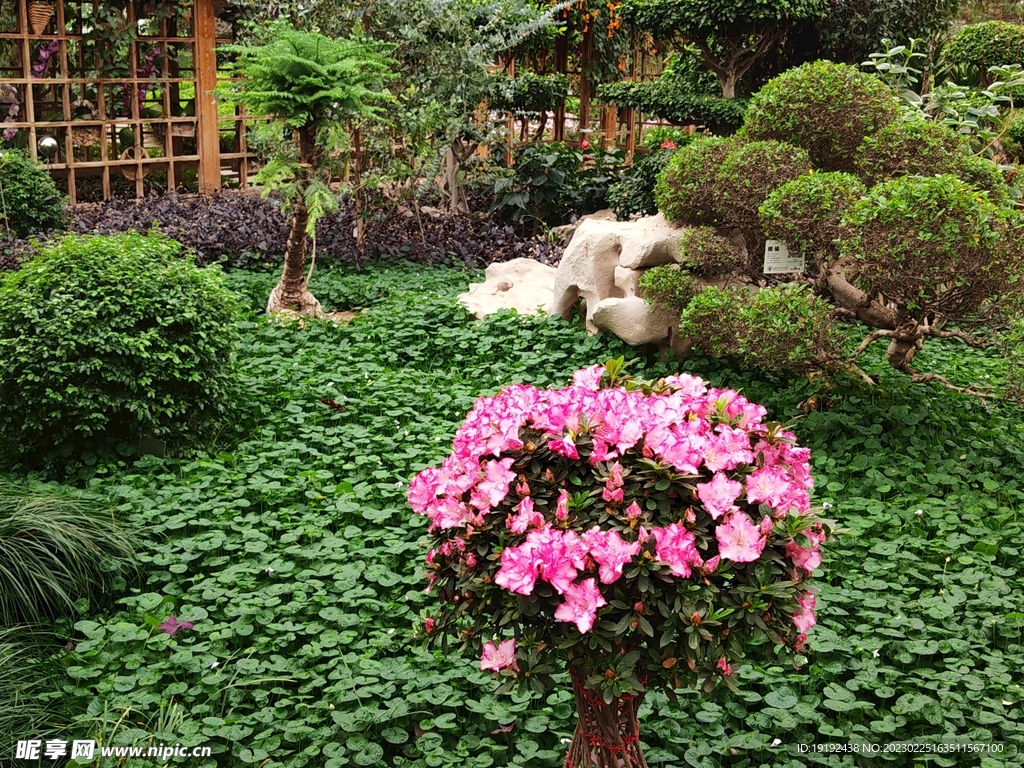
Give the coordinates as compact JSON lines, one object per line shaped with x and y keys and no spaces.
{"x":585,"y":88}
{"x":562,"y":68}
{"x":208,"y":134}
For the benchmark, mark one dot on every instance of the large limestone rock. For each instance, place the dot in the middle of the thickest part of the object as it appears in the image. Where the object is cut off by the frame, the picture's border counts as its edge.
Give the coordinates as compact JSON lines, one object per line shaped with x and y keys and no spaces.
{"x":603,"y":261}
{"x":634,"y":321}
{"x":563,"y":234}
{"x":524,"y":285}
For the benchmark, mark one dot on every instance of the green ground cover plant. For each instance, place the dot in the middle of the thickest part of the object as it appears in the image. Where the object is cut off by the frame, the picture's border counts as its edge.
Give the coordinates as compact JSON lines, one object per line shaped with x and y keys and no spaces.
{"x":296,"y":560}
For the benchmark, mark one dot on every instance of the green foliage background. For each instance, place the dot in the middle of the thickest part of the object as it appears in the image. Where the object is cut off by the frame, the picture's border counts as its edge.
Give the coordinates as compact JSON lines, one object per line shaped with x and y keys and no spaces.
{"x":295,"y":554}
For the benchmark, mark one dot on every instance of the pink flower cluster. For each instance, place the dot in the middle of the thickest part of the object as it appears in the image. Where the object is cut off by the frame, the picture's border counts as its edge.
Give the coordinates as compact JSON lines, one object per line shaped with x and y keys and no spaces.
{"x":746,"y":481}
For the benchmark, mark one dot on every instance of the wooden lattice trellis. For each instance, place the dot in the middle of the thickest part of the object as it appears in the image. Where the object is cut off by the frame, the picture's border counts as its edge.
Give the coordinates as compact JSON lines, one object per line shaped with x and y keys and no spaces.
{"x":123,"y":89}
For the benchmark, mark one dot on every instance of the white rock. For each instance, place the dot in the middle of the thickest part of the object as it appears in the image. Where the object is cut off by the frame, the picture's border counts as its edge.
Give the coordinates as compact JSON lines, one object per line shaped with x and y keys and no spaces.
{"x":587,"y":269}
{"x":635,"y":321}
{"x":648,"y":242}
{"x":563,"y":234}
{"x":524,"y":285}
{"x":627,"y":280}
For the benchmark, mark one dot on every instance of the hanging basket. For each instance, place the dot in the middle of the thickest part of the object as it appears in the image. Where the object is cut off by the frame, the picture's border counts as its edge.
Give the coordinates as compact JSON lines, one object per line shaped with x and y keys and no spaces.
{"x":131,"y":172}
{"x":606,"y":735}
{"x":39,"y":15}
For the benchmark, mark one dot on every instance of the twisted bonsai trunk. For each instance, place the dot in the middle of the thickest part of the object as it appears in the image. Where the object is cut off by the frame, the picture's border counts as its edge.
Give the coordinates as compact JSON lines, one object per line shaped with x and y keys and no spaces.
{"x":292,"y":293}
{"x":606,"y":735}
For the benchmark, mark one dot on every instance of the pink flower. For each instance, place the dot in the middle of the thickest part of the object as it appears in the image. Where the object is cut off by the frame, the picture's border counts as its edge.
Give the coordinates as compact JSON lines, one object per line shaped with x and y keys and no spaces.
{"x":633,"y":511}
{"x":527,"y":518}
{"x":423,"y":489}
{"x":428,"y":625}
{"x":498,"y":657}
{"x":584,"y":144}
{"x":728,"y":449}
{"x":723,"y":666}
{"x":710,"y":566}
{"x":497,"y":477}
{"x":562,"y":507}
{"x":589,"y":378}
{"x":564,"y":446}
{"x":519,"y":568}
{"x":739,"y":539}
{"x":470,"y":560}
{"x":803,"y":617}
{"x":560,"y":555}
{"x":668,"y":144}
{"x":807,"y":559}
{"x":676,"y":547}
{"x":719,"y":495}
{"x":610,"y":552}
{"x":768,"y":484}
{"x":581,"y":603}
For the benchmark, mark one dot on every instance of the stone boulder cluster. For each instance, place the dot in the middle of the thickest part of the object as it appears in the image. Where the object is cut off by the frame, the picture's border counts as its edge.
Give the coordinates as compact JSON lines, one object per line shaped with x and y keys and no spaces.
{"x":598,"y":275}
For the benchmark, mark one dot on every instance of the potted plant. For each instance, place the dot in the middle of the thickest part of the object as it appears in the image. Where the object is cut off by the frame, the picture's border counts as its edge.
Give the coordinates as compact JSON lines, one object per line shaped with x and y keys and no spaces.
{"x":650,"y":534}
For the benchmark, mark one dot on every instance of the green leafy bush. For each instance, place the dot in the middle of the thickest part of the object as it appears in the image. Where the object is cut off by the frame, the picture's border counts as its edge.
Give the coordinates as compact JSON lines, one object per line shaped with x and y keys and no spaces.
{"x":687,"y":190}
{"x":104,"y":339}
{"x":668,"y":286}
{"x":785,"y":328}
{"x":748,"y":175}
{"x":528,"y":93}
{"x":704,"y":251}
{"x":552,"y":182}
{"x":825,"y":108}
{"x":664,"y":100}
{"x":806,"y":211}
{"x":985,"y":45}
{"x":1016,"y":129}
{"x":29,"y":200}
{"x":634,"y":191}
{"x":933,"y":245}
{"x":923,"y":147}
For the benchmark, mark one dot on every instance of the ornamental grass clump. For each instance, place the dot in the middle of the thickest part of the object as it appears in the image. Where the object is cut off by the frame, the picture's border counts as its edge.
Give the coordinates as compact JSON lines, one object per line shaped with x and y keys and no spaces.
{"x":651,"y":534}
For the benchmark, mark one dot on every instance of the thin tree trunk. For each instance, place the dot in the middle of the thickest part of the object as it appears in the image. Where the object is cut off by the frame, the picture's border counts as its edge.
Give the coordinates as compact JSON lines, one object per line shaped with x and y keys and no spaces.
{"x":606,"y":735}
{"x":292,"y":293}
{"x":457,"y":202}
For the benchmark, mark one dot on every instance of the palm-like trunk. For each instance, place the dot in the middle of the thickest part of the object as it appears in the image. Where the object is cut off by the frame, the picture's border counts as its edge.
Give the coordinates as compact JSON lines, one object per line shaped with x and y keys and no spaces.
{"x":292,"y":293}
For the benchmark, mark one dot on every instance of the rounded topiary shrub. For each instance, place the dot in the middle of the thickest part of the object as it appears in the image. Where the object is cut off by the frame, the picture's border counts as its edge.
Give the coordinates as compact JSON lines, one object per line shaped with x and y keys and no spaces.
{"x":31,"y":201}
{"x":925,"y":148}
{"x":806,"y":212}
{"x":746,"y":178}
{"x":104,"y":339}
{"x":933,"y":245}
{"x":687,"y":190}
{"x":823,"y":107}
{"x":704,"y":251}
{"x":984,"y":45}
{"x":668,"y":286}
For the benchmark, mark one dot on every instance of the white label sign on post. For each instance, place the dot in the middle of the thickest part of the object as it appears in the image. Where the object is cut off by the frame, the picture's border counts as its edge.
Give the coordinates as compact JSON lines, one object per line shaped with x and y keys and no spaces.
{"x":779,"y":261}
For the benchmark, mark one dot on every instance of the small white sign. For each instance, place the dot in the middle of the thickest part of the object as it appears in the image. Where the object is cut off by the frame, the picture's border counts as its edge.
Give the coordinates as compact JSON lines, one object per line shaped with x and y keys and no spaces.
{"x":779,"y":261}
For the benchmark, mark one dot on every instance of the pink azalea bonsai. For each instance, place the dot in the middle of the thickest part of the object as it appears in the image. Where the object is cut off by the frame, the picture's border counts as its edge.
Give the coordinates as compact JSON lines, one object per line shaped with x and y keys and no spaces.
{"x":649,"y":533}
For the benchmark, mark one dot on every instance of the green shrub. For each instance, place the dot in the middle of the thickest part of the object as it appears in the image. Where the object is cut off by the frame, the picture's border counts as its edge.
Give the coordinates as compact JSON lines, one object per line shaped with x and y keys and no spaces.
{"x":687,"y":190}
{"x":527,"y":93}
{"x":668,"y":286}
{"x":806,"y":211}
{"x":748,"y":175}
{"x":654,"y":138}
{"x":1016,"y":129}
{"x":985,"y":45}
{"x":786,"y":328}
{"x":106,"y":338}
{"x":932,"y":245}
{"x":665,"y":100}
{"x":705,"y":252}
{"x":57,"y":547}
{"x":634,"y":191}
{"x":827,"y":109}
{"x":552,"y":182}
{"x":29,"y":200}
{"x":922,"y":147}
